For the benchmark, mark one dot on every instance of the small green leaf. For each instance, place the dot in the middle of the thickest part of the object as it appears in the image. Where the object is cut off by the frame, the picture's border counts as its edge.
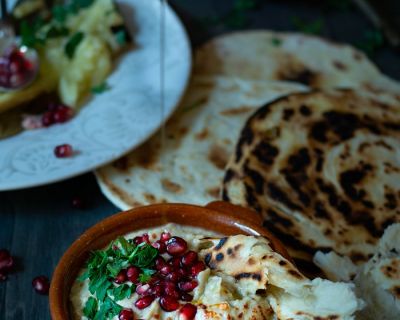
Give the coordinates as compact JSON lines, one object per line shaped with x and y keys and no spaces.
{"x":90,"y":309}
{"x":73,"y":43}
{"x":146,"y":275}
{"x":276,"y":42}
{"x":121,"y":37}
{"x":57,"y":31}
{"x":143,"y":256}
{"x":100,"y":88}
{"x":122,"y":292}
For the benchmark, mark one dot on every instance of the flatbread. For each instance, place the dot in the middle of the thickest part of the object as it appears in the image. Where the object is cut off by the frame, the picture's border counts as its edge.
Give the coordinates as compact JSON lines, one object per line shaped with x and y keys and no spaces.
{"x":313,"y":61}
{"x":256,"y":268}
{"x":377,"y":281}
{"x":323,"y":168}
{"x":199,"y":140}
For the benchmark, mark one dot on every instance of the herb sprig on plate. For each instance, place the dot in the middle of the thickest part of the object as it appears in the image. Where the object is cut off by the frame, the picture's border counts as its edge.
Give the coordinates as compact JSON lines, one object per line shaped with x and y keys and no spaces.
{"x":102,"y":268}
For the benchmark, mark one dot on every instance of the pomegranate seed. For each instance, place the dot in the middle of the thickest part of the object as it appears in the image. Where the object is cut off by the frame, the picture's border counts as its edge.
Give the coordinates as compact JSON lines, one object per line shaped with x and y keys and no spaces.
{"x":169,"y":303}
{"x":126,"y":314}
{"x":170,"y":289}
{"x":187,"y":286}
{"x":160,"y":246}
{"x":153,"y":280}
{"x":165,"y":270}
{"x":175,"y":262}
{"x":142,"y":289}
{"x":157,"y":290}
{"x":121,"y":277}
{"x":189,"y":258}
{"x":41,"y":284}
{"x":3,"y":276}
{"x":6,"y":260}
{"x":182,"y":273}
{"x":144,"y":302}
{"x":198,"y":267}
{"x":48,"y":118}
{"x":63,"y":114}
{"x":186,"y":296}
{"x":78,"y":203}
{"x":133,"y":274}
{"x":63,"y":151}
{"x":137,"y":240}
{"x":176,"y":246}
{"x":173,"y":276}
{"x":165,"y":236}
{"x":187,"y":312}
{"x":159,"y":263}
{"x":146,"y":238}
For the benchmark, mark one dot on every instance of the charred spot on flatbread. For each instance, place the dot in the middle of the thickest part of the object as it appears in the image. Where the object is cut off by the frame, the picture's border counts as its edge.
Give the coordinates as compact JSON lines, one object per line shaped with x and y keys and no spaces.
{"x":333,"y":164}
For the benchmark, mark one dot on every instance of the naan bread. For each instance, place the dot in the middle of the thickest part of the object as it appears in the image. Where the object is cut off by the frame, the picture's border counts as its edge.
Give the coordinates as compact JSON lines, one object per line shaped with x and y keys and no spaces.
{"x":377,"y":281}
{"x":199,"y":139}
{"x":268,"y":55}
{"x":255,"y":267}
{"x":323,"y":169}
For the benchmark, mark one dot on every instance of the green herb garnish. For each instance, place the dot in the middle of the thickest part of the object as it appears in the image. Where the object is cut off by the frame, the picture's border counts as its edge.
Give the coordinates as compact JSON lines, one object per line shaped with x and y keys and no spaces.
{"x":73,"y":43}
{"x":121,"y":37}
{"x":100,"y":88}
{"x":104,"y":265}
{"x":313,"y":27}
{"x":276,"y":42}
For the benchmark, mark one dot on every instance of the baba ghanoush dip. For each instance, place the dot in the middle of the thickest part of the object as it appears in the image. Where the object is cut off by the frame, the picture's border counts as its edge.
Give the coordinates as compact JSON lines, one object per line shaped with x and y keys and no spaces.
{"x":179,"y":272}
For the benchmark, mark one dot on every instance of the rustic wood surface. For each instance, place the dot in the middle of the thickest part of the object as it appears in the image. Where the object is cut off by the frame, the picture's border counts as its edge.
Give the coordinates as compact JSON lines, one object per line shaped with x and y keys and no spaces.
{"x":37,"y":225}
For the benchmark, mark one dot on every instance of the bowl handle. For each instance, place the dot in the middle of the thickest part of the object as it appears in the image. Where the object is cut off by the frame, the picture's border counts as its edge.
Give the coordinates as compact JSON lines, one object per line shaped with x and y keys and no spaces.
{"x":244,"y":213}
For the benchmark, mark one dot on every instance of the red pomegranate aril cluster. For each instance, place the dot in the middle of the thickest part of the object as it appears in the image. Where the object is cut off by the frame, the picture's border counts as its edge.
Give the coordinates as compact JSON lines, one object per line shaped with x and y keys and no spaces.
{"x":6,"y":264}
{"x":174,"y":279}
{"x":63,"y":151}
{"x":15,"y":69}
{"x":41,"y":284}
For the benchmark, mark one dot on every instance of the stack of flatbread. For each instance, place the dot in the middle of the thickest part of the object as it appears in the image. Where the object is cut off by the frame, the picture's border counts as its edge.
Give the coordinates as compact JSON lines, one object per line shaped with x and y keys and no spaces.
{"x":304,"y":131}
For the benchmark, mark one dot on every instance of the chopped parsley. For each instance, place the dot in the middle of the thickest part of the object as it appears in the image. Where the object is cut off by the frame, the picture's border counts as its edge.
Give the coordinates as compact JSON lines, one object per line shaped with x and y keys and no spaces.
{"x":104,"y":265}
{"x":72,"y":44}
{"x":276,"y":41}
{"x":37,"y":32}
{"x":100,"y":88}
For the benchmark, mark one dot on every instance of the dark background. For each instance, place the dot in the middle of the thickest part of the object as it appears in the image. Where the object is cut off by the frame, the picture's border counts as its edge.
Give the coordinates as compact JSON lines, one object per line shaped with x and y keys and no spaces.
{"x":37,"y":225}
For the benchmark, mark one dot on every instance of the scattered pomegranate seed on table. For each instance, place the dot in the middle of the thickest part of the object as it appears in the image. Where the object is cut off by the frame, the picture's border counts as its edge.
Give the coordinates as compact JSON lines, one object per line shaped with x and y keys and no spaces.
{"x":63,"y":151}
{"x":6,"y":264}
{"x":78,"y":203}
{"x":41,"y":285}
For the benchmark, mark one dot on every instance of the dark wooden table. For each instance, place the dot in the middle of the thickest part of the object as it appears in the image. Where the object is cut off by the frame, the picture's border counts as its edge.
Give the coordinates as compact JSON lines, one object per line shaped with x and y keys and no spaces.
{"x":37,"y":225}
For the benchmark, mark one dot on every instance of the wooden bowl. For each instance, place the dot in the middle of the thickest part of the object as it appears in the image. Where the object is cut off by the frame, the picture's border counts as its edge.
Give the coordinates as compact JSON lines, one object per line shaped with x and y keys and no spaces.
{"x":217,"y":216}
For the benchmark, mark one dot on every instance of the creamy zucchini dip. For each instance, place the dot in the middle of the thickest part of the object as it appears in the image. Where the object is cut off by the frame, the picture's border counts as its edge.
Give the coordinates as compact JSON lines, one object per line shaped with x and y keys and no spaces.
{"x":178,"y":272}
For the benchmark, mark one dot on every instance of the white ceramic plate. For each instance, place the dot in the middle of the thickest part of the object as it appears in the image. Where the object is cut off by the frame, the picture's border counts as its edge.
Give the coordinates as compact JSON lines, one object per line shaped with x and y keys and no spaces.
{"x":116,"y":121}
